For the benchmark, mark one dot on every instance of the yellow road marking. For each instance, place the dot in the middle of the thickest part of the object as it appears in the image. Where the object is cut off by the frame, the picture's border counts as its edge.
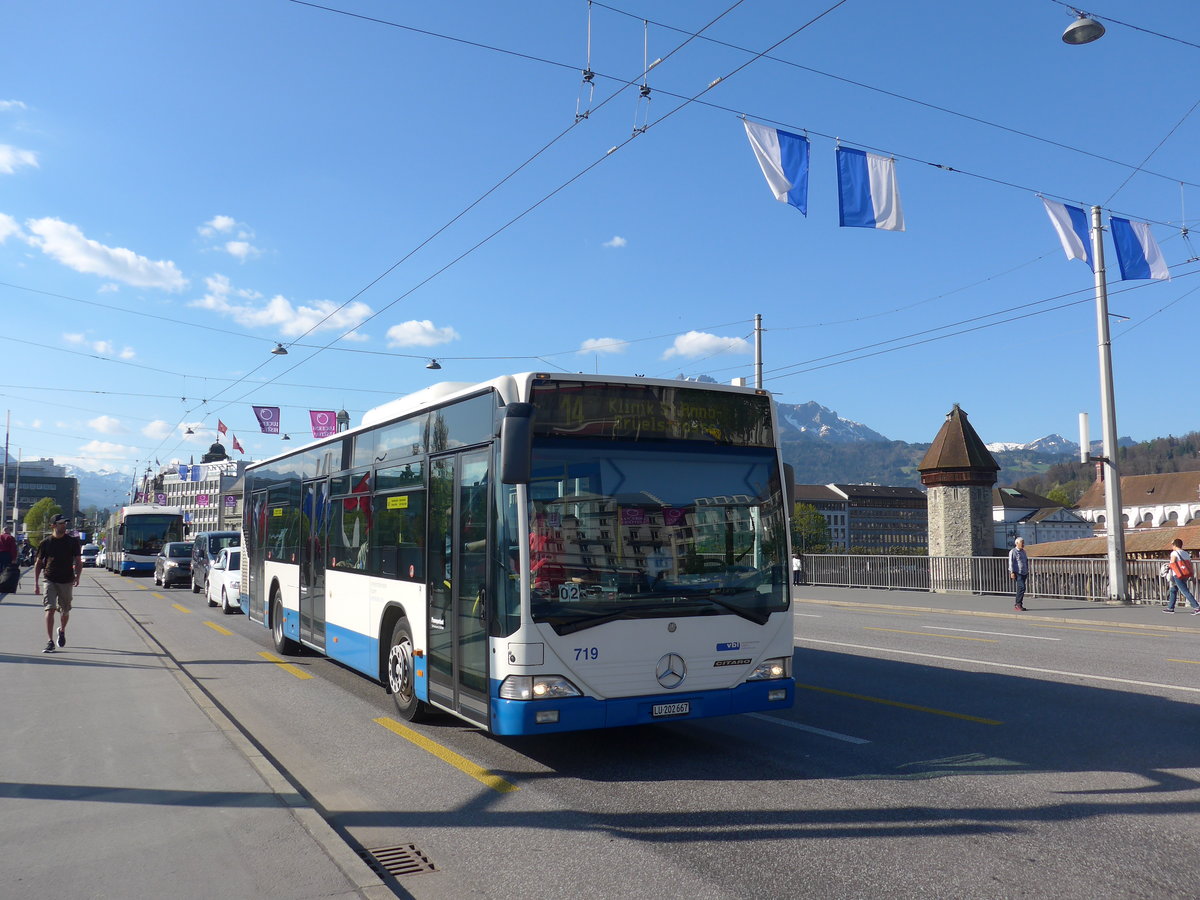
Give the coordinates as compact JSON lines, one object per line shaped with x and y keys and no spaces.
{"x":217,"y":628}
{"x":286,"y":666}
{"x":1191,"y":662}
{"x":495,"y":782}
{"x":926,"y":709}
{"x":931,"y":634}
{"x":1101,"y":630}
{"x":182,"y":609}
{"x":159,"y":596}
{"x":141,"y":587}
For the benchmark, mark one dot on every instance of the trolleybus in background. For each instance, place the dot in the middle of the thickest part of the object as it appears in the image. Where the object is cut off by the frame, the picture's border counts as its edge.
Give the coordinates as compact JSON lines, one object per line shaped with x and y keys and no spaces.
{"x":538,"y":552}
{"x":135,"y":534}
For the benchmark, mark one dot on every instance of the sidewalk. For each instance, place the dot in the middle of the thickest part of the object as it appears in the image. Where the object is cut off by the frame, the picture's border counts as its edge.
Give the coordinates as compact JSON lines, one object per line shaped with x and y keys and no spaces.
{"x":1076,"y":612}
{"x":119,"y":779}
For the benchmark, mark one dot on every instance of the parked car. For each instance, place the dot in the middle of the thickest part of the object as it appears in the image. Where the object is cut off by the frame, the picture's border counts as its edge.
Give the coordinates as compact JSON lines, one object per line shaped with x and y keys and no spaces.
{"x":224,"y":581}
{"x":89,"y":552}
{"x":173,"y":565}
{"x":102,"y":558}
{"x":204,"y":553}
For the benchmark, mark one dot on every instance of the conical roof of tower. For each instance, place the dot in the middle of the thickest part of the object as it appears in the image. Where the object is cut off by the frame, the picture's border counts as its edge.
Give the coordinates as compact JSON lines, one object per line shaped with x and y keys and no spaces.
{"x":957,"y":446}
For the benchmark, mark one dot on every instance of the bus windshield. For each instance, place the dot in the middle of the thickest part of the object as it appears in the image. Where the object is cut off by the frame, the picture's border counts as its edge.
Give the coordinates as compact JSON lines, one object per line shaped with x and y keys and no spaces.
{"x":654,"y":529}
{"x":146,"y":534}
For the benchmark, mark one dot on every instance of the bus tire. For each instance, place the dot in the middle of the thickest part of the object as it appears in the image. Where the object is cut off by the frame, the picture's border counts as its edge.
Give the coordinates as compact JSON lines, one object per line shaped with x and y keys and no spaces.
{"x":283,"y":643}
{"x":401,"y":675}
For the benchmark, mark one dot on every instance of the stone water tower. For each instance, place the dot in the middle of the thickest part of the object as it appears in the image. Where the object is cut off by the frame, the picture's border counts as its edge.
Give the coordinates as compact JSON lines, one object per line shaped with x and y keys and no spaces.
{"x":958,"y":473}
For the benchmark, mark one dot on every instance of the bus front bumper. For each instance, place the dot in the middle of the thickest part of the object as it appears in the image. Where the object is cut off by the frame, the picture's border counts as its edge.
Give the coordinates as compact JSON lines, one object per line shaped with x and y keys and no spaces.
{"x":579,"y":713}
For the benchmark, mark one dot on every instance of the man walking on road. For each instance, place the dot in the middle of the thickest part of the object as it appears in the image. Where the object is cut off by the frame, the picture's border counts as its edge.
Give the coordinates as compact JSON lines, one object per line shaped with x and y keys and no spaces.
{"x":61,"y":556}
{"x":1018,"y":570}
{"x":1181,"y":570}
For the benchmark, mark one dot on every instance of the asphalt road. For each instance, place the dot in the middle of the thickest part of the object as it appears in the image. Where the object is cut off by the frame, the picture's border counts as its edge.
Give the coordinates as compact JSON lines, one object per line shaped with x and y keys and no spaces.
{"x":928,"y":755}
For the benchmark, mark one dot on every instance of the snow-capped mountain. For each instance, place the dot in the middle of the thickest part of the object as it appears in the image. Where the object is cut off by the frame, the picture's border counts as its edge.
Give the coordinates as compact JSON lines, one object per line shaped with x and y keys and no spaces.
{"x":798,"y":421}
{"x":1052,"y":444}
{"x":105,"y":487}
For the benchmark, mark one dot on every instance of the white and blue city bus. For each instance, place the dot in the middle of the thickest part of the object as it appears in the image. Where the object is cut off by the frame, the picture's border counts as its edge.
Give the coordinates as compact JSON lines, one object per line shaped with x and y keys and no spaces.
{"x":135,"y":534}
{"x":538,"y":552}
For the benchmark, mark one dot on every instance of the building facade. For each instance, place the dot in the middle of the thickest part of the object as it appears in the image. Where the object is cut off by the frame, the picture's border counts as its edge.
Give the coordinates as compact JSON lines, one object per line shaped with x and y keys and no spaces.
{"x":883,"y":519}
{"x":1168,"y":500}
{"x":34,"y":480}
{"x":209,"y":492}
{"x":833,"y":507}
{"x":1020,"y":514}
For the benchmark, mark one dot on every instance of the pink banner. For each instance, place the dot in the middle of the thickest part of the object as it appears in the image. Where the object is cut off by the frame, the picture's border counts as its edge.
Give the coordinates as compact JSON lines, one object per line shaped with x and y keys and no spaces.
{"x":324,"y":422}
{"x":268,"y":418}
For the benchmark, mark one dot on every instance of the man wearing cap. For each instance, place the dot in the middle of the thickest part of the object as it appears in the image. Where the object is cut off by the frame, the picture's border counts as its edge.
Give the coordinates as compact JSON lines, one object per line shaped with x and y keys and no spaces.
{"x":62,"y":557}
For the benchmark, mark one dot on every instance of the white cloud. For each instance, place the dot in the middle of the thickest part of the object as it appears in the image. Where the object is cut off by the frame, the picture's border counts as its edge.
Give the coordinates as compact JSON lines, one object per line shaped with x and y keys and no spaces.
{"x":157,"y":430}
{"x":75,"y":338}
{"x":617,"y":241}
{"x":603,"y":345}
{"x":9,"y":227}
{"x":67,"y":244}
{"x":242,"y":250}
{"x":106,"y":450}
{"x":109,"y":288}
{"x":36,"y":423}
{"x":103,"y":347}
{"x":6,"y":105}
{"x":278,"y":312}
{"x":217,"y":224}
{"x":127,"y":353}
{"x":419,"y":334}
{"x":107,"y":425}
{"x":700,"y":343}
{"x":12,"y":158}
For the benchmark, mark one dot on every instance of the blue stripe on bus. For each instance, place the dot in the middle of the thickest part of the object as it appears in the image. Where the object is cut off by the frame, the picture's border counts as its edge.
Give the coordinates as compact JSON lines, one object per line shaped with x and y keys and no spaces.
{"x":358,"y":651}
{"x":576,"y":713}
{"x":128,"y":566}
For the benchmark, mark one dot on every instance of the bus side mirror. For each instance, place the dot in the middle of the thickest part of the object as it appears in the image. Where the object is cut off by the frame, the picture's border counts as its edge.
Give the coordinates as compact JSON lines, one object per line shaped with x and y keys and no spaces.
{"x":516,"y":444}
{"x":789,"y":485}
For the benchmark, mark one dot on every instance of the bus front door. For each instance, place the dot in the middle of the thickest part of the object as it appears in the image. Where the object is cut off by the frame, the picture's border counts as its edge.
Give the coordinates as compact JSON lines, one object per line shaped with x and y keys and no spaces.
{"x":314,"y":511}
{"x":458,"y":590}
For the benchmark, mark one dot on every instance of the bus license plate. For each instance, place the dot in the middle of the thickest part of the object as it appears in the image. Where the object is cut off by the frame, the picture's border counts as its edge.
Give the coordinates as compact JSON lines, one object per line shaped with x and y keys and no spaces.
{"x":671,"y":709}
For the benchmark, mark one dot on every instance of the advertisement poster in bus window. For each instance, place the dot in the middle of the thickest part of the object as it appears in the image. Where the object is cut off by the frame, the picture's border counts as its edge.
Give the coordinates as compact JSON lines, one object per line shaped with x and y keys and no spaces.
{"x":650,"y":412}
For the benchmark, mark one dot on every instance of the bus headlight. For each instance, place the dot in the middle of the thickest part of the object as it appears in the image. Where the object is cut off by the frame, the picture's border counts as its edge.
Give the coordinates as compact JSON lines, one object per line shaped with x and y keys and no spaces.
{"x":780,"y":667}
{"x":537,"y":687}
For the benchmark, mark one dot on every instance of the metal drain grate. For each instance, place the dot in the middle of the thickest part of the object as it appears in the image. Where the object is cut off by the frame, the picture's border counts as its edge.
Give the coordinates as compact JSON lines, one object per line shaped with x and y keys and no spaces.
{"x":399,"y":861}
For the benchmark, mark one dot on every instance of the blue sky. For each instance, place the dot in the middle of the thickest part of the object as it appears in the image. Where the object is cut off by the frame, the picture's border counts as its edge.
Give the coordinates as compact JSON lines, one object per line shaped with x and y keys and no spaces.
{"x":184,"y":184}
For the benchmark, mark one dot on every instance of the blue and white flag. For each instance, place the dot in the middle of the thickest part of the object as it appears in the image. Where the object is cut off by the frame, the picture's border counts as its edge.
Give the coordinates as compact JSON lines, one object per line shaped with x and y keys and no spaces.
{"x":1071,"y":225}
{"x":783,"y":158}
{"x":1137,"y":251}
{"x":868,"y":196}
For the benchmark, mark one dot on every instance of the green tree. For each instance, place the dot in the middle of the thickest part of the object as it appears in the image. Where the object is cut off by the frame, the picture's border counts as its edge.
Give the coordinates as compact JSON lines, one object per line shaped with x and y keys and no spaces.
{"x":37,"y":520}
{"x":810,"y":531}
{"x":1059,"y":495}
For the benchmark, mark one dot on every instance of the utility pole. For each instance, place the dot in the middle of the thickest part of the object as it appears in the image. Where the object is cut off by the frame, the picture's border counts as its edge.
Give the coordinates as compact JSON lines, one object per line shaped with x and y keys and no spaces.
{"x":1118,"y":589}
{"x":758,"y":350}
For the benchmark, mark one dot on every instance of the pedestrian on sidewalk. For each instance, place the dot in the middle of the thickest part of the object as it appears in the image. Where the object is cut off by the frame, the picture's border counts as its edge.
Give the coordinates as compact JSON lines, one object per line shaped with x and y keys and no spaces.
{"x":1018,"y":571}
{"x":1181,"y":569}
{"x":797,"y":568}
{"x":60,"y":555}
{"x":8,"y":548}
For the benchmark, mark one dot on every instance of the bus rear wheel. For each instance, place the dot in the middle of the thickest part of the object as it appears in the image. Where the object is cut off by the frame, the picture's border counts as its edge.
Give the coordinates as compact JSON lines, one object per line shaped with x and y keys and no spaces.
{"x":401,"y":675}
{"x":283,"y":643}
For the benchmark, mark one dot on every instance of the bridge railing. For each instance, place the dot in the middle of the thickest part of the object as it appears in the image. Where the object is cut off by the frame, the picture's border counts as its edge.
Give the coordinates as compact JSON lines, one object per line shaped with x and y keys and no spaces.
{"x":1068,"y":578}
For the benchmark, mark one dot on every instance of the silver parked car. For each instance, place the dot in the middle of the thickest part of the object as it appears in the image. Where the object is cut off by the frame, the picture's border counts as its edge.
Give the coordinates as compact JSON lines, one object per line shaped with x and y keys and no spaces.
{"x":173,"y":565}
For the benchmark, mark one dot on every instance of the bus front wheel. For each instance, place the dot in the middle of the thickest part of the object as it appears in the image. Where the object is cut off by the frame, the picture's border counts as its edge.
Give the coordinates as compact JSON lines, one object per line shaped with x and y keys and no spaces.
{"x":283,"y":643}
{"x":401,"y":674}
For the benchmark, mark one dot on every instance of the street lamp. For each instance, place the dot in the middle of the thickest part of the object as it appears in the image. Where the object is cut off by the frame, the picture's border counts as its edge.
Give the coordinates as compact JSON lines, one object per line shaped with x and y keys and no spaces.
{"x":1083,"y":30}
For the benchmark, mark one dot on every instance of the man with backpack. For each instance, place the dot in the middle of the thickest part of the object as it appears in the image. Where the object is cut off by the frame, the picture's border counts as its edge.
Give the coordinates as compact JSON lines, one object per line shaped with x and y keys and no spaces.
{"x":1181,"y":569}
